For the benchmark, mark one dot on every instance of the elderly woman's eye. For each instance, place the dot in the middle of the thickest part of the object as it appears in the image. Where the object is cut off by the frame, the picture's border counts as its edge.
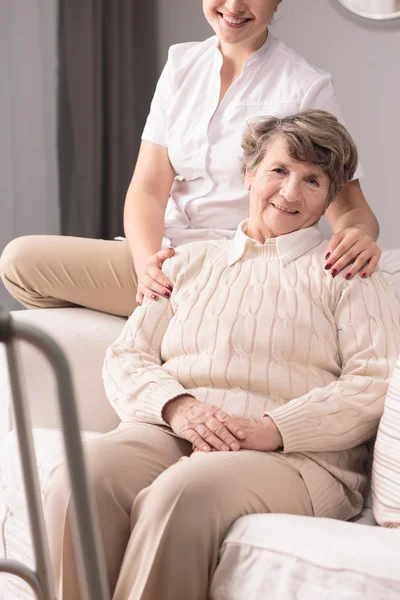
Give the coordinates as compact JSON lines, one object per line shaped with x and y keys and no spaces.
{"x":313,"y":181}
{"x":278,"y":170}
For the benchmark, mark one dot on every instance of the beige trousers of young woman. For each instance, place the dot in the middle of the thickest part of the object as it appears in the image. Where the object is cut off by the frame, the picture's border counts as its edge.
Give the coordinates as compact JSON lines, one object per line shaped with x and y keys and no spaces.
{"x":46,"y":271}
{"x":162,"y":519}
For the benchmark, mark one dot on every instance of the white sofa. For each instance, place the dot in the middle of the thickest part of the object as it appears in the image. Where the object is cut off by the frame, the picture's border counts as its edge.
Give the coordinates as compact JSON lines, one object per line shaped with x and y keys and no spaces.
{"x":280,"y":557}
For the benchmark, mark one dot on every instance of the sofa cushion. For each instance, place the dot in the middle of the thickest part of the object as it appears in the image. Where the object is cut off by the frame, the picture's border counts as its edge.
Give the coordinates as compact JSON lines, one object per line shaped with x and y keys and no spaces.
{"x":386,"y":466}
{"x":84,"y":335}
{"x":291,"y":557}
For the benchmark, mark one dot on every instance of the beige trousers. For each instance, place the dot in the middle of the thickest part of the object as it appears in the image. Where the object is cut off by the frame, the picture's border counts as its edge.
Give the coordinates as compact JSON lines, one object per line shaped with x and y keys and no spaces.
{"x":162,"y":520}
{"x":53,"y":271}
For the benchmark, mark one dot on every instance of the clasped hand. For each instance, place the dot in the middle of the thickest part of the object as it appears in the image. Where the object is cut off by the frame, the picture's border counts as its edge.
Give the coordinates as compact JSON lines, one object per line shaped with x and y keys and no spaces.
{"x":208,"y":428}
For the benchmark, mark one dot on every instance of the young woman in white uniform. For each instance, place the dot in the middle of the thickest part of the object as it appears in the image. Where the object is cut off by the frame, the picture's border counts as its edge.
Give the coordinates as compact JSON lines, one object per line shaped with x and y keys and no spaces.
{"x":187,"y":184}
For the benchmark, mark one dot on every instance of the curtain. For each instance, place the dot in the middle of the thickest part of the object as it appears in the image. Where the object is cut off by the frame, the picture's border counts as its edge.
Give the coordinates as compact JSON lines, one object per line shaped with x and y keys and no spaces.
{"x":28,"y":141}
{"x":107,"y":76}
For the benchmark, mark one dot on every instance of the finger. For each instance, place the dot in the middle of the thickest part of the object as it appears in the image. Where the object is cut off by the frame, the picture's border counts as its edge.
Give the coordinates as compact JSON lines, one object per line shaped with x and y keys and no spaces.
{"x":344,"y":247}
{"x":165,"y":253}
{"x":159,"y":277}
{"x":211,"y":438}
{"x":223,"y":433}
{"x":371,"y":266}
{"x":147,"y":292}
{"x":153,"y":285}
{"x":139,"y":299}
{"x":196,"y":440}
{"x":333,"y":244}
{"x":345,"y":260}
{"x":230,"y":423}
{"x":359,"y":264}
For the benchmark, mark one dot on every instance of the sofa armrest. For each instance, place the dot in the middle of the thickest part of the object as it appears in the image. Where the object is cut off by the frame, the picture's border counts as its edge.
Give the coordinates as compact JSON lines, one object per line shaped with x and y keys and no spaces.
{"x":84,"y":335}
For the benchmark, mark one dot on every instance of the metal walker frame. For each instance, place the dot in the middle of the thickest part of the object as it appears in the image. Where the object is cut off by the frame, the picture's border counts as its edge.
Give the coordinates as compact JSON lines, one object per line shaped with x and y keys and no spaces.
{"x":92,"y":567}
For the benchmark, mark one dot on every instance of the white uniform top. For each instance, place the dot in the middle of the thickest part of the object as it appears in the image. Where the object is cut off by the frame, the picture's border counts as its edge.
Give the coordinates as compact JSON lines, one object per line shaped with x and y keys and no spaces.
{"x":208,"y":198}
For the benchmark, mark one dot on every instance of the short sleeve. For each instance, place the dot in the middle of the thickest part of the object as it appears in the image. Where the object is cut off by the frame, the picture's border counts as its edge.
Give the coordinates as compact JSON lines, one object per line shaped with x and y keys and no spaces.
{"x":155,"y":129}
{"x":322,"y":95}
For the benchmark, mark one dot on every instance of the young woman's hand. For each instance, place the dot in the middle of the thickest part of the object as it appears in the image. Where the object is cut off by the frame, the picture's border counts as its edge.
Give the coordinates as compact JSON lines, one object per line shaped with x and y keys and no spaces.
{"x":205,"y":426}
{"x":352,"y":251}
{"x":152,"y":282}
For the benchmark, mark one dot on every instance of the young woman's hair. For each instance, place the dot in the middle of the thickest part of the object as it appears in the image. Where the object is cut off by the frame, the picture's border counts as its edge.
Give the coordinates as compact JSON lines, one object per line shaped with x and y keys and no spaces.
{"x":312,"y":136}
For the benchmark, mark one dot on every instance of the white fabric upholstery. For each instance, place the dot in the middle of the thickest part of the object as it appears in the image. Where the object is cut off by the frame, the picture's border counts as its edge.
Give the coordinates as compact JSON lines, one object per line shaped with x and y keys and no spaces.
{"x":303,"y":558}
{"x":84,"y":335}
{"x":49,"y":451}
{"x":386,"y":469}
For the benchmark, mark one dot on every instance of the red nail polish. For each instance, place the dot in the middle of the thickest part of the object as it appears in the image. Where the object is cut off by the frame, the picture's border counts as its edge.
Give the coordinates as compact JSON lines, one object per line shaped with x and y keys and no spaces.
{"x":170,"y":287}
{"x":328,"y":266}
{"x":364,"y":275}
{"x":348,"y":275}
{"x":327,"y":256}
{"x":154,"y":297}
{"x":334,"y":272}
{"x":167,"y":294}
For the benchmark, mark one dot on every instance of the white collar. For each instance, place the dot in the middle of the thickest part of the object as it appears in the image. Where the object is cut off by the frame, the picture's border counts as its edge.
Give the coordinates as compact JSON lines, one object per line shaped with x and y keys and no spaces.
{"x":287,"y":247}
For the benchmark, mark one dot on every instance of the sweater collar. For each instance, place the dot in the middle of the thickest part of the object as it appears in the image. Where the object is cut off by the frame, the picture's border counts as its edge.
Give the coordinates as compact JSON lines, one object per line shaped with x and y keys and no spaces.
{"x":284,"y":248}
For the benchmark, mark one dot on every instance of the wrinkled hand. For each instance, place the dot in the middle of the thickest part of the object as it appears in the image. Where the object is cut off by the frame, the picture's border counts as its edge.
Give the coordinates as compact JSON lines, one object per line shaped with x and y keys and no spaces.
{"x":203,"y":425}
{"x":152,"y":282}
{"x":352,"y":248}
{"x":261,"y":434}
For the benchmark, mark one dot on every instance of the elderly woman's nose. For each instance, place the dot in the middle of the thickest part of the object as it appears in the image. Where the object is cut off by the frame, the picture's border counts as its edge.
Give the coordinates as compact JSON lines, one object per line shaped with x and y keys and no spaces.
{"x":290,"y":190}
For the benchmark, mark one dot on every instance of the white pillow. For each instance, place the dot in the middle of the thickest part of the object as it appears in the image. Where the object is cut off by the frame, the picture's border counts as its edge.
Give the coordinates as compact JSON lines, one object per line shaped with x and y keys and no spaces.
{"x":386,"y":464}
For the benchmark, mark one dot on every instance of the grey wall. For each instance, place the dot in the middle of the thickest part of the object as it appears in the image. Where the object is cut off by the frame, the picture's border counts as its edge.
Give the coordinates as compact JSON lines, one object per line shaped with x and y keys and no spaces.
{"x":28,"y":166}
{"x":364,"y":59}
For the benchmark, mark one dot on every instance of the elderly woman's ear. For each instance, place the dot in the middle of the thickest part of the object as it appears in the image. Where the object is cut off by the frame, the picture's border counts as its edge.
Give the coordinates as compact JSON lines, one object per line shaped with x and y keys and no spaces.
{"x":247,"y":180}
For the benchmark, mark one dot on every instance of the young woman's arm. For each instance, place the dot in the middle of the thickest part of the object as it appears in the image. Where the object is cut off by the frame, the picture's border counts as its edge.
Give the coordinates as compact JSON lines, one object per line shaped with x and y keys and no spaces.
{"x":144,"y":211}
{"x":355,"y":230}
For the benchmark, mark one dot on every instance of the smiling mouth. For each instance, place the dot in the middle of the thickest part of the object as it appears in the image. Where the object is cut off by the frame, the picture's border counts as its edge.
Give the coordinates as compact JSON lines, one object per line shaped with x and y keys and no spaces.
{"x":285,"y":211}
{"x":234,"y":21}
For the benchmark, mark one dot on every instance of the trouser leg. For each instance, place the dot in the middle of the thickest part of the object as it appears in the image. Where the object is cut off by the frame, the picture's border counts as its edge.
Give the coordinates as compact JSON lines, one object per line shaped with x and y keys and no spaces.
{"x":120,"y":464}
{"x":179,"y":522}
{"x":44,"y":271}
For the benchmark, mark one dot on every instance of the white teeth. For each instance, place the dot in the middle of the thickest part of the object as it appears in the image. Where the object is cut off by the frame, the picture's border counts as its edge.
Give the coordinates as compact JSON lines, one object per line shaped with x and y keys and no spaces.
{"x":233,"y":21}
{"x":285,"y":209}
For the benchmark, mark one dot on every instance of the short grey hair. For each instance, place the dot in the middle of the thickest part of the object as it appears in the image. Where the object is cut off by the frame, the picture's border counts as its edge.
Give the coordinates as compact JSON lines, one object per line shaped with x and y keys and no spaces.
{"x":313,"y":136}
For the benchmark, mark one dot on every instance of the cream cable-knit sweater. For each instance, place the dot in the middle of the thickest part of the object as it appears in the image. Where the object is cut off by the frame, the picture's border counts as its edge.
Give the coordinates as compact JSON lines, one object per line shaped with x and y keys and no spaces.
{"x":264,"y":329}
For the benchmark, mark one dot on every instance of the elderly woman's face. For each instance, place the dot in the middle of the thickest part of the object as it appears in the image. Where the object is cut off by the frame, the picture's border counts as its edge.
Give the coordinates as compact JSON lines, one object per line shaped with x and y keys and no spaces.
{"x":238,"y":21}
{"x":285,"y":195}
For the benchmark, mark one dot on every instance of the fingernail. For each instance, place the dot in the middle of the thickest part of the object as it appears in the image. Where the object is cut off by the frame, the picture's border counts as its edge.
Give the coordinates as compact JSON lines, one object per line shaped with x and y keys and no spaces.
{"x":334,"y":272}
{"x":364,"y":275}
{"x":170,"y":288}
{"x":225,"y":448}
{"x":327,"y":256}
{"x":138,"y":303}
{"x":235,"y":446}
{"x":328,"y":266}
{"x":206,"y":448}
{"x":167,"y":294}
{"x":348,"y":276}
{"x":154,"y":297}
{"x":241,"y":434}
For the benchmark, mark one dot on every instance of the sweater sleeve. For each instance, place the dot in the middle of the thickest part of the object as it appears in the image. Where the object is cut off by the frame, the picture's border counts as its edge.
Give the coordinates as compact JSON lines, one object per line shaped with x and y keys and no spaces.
{"x":135,"y":382}
{"x":346,"y":412}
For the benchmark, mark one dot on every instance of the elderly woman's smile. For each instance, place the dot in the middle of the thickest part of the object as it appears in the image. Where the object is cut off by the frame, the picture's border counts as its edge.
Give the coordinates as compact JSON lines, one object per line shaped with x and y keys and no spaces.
{"x":285,"y":194}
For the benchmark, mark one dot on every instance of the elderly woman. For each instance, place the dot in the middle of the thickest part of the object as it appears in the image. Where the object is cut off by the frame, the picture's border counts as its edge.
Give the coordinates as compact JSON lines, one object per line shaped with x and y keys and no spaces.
{"x":252,"y":391}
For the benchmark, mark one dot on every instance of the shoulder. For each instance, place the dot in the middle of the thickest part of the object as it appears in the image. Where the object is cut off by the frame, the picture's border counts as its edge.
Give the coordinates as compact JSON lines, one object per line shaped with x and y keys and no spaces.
{"x":194,"y":256}
{"x":294,"y":67}
{"x":181,"y":55}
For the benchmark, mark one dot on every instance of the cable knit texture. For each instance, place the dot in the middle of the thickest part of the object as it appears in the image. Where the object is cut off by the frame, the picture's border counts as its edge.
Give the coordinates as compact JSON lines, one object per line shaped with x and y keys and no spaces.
{"x":263,"y":329}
